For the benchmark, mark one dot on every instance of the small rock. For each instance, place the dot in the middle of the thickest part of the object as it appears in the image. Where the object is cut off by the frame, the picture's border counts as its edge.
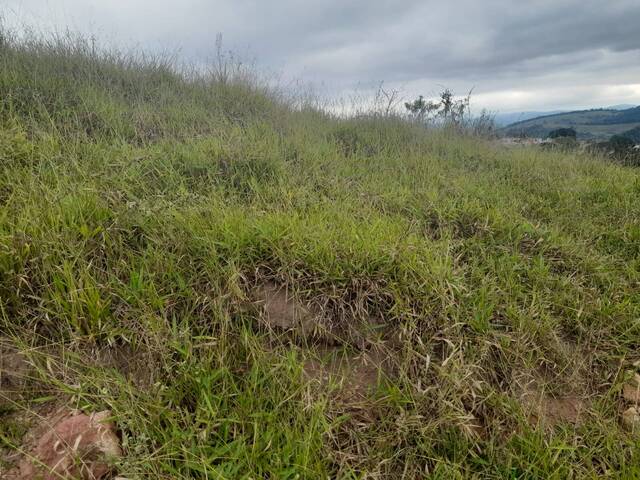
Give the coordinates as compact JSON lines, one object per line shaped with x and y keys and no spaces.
{"x":72,"y":445}
{"x":631,"y":419}
{"x":631,"y":393}
{"x":631,"y":390}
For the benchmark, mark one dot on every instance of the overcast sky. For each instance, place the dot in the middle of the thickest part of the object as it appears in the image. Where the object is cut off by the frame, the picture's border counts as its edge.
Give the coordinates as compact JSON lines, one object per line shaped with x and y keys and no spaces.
{"x":518,"y":54}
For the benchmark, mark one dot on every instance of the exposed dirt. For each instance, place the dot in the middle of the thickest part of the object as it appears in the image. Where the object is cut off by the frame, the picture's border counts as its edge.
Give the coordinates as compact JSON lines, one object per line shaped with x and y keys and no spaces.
{"x":137,"y":365}
{"x":630,"y":417}
{"x":73,"y":444}
{"x":631,"y":393}
{"x":344,"y":357}
{"x":356,"y":375}
{"x":351,"y":365}
{"x":66,"y":443}
{"x":21,"y":424}
{"x":15,"y":372}
{"x":352,"y":370}
{"x":280,"y":310}
{"x":561,"y":410}
{"x":631,"y":389}
{"x":547,"y":410}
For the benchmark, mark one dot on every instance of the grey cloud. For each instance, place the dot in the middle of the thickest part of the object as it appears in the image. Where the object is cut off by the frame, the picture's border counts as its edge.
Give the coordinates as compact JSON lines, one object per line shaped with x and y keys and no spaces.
{"x":490,"y":37}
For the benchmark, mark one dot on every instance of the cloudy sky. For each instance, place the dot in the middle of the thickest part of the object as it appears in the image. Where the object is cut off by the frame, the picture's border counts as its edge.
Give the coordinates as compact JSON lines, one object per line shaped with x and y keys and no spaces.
{"x":517,"y":55}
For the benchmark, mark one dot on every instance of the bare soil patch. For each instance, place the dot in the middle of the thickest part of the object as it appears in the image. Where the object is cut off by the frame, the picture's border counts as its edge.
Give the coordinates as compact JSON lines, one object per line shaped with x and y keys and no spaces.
{"x":281,"y":310}
{"x":15,"y":372}
{"x":51,"y":441}
{"x":631,"y":389}
{"x":343,"y":357}
{"x":547,"y":410}
{"x":356,"y":375}
{"x":63,"y":443}
{"x":136,"y":364}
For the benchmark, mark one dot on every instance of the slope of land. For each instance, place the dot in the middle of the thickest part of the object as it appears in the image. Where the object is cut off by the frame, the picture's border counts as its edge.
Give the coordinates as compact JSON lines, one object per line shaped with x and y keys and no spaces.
{"x":506,"y":119}
{"x":589,"y":124}
{"x":255,"y":289}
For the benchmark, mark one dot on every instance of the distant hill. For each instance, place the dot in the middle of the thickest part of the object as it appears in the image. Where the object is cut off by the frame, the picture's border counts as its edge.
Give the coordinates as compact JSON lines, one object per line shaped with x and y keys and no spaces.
{"x":507,"y":118}
{"x":622,"y":106}
{"x":504,"y":119}
{"x":596,"y":124}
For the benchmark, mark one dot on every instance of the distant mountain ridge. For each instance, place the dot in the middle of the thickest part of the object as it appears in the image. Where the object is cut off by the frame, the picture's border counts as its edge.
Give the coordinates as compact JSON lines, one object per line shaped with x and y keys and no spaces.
{"x":505,"y":119}
{"x":509,"y":118}
{"x":593,"y":124}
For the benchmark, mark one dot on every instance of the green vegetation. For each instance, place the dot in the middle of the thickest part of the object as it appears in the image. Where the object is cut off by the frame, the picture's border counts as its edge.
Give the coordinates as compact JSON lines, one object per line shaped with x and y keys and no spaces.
{"x":619,"y":148}
{"x":563,"y":133}
{"x":621,"y":142}
{"x":633,"y":134}
{"x":141,"y":210}
{"x":450,"y":112}
{"x":589,"y":124}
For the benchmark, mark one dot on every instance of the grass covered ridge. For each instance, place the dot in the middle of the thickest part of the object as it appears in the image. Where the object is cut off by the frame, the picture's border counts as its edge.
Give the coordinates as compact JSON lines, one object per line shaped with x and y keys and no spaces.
{"x":141,"y":211}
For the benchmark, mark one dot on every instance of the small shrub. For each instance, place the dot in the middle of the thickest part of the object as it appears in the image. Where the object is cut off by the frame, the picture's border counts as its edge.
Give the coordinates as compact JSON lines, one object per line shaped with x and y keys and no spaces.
{"x":451,"y":112}
{"x":565,"y":143}
{"x":620,"y":143}
{"x":619,"y":149}
{"x":563,"y":133}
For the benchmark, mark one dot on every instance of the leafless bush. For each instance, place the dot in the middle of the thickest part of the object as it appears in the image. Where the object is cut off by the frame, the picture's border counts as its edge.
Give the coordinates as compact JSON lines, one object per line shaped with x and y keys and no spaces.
{"x":451,"y":112}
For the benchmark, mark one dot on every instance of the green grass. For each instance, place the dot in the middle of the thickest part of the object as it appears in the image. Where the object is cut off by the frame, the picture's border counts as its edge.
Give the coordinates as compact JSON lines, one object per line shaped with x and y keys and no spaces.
{"x":138,"y":208}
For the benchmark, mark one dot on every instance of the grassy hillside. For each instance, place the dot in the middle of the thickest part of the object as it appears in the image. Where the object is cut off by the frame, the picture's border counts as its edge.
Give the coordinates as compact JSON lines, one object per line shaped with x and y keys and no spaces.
{"x":257,"y":290}
{"x":589,"y":124}
{"x":506,"y":119}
